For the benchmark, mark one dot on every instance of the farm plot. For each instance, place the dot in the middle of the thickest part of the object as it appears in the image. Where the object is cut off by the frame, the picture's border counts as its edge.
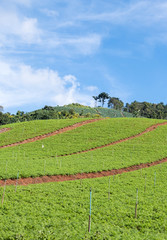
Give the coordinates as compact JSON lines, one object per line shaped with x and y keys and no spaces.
{"x":147,"y":148}
{"x":25,"y":130}
{"x":80,"y":110}
{"x":61,"y":210}
{"x":113,"y":113}
{"x":37,"y":161}
{"x":92,"y":135}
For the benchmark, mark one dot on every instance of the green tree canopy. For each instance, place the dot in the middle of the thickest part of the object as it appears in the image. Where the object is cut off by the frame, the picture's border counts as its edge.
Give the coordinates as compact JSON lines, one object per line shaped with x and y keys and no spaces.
{"x":102,"y":97}
{"x":115,"y":103}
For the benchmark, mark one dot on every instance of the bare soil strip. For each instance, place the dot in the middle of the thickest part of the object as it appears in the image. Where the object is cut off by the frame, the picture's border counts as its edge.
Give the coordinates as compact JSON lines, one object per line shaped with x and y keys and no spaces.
{"x":62,"y":130}
{"x":149,"y":129}
{"x":4,"y":130}
{"x":62,"y":178}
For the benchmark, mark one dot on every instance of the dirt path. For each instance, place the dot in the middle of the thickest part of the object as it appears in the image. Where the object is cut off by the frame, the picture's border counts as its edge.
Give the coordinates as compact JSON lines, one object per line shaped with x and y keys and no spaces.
{"x":62,"y":178}
{"x":149,"y":129}
{"x":76,"y":125}
{"x":4,"y":130}
{"x":62,"y":130}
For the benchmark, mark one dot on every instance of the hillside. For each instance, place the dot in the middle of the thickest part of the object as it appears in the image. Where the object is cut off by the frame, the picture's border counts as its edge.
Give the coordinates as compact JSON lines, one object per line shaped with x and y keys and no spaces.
{"x":78,"y":110}
{"x":86,"y":137}
{"x":69,"y":149}
{"x":70,"y":111}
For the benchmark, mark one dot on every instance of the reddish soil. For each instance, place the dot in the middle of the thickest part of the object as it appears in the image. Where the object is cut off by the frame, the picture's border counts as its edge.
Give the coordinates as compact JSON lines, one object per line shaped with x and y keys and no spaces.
{"x":149,"y":129}
{"x":4,"y":130}
{"x":62,"y":130}
{"x":62,"y":178}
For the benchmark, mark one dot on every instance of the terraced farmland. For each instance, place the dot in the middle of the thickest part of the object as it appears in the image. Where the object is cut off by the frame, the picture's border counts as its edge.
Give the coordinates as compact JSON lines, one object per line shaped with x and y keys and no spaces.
{"x":25,"y":130}
{"x":61,"y":210}
{"x":41,"y":157}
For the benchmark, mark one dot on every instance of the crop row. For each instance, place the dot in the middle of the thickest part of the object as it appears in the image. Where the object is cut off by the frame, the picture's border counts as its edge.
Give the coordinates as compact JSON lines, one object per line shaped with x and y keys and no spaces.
{"x":109,"y":112}
{"x":79,"y":110}
{"x":146,"y":148}
{"x":89,"y":136}
{"x":25,"y":130}
{"x":113,"y":113}
{"x":61,"y":210}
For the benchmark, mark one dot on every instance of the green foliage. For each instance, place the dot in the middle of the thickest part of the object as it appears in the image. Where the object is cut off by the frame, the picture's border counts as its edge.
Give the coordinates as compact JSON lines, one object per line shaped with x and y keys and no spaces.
{"x":146,"y":109}
{"x":102,"y":97}
{"x":112,"y":113}
{"x":25,"y":130}
{"x":61,"y":210}
{"x":115,"y":103}
{"x":33,"y":160}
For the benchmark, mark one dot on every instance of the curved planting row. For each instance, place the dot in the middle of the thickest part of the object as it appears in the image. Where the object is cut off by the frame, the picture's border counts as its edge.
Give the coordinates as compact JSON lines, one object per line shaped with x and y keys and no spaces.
{"x":62,"y":130}
{"x":149,"y":129}
{"x":61,"y":210}
{"x":123,"y":154}
{"x":126,"y":206}
{"x":79,"y":138}
{"x":62,"y":178}
{"x":30,"y":129}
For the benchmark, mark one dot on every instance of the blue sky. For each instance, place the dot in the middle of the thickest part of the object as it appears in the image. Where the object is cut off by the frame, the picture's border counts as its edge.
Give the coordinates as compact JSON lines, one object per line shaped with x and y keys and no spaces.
{"x":57,"y":52}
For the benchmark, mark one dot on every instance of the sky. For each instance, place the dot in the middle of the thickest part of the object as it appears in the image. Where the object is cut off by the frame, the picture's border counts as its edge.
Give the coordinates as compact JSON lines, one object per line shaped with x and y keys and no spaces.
{"x":57,"y":52}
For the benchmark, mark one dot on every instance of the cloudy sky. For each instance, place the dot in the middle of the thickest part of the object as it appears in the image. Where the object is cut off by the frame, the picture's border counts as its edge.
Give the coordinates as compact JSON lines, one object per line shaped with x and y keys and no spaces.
{"x":57,"y":52}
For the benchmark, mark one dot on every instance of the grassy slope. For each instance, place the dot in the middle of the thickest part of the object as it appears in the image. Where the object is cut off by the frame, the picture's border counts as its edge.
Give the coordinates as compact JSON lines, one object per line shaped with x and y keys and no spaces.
{"x":104,"y":112}
{"x":25,"y":130}
{"x":61,"y":210}
{"x":32,"y":160}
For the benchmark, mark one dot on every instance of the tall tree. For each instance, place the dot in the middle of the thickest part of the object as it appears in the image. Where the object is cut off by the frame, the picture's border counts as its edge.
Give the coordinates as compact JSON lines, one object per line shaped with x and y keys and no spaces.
{"x":102,"y":97}
{"x":95,"y":98}
{"x":115,"y":103}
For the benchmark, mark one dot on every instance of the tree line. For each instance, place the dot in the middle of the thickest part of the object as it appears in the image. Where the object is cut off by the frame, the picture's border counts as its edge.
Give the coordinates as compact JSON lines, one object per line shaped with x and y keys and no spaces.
{"x":113,"y":102}
{"x":138,"y":109}
{"x":47,"y":112}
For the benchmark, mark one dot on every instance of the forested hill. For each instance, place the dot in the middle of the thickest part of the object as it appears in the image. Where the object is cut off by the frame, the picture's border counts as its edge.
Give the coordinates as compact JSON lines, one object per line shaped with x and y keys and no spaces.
{"x":74,"y":110}
{"x":116,"y":108}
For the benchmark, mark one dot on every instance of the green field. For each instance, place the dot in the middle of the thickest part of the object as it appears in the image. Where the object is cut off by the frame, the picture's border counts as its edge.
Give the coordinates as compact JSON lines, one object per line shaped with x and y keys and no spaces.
{"x":103,"y":112}
{"x":61,"y":210}
{"x":33,"y":160}
{"x":25,"y":130}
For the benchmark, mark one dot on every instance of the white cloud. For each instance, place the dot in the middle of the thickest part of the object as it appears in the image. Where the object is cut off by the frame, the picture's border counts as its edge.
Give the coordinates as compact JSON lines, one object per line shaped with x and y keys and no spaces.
{"x":21,"y":85}
{"x":91,"y":88}
{"x":16,"y":28}
{"x":29,"y":31}
{"x":143,"y":12}
{"x":85,"y":45}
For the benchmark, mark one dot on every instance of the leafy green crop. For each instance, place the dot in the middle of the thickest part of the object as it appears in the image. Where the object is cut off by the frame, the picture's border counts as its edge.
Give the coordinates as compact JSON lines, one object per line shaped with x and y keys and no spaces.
{"x":33,"y":160}
{"x":61,"y":210}
{"x":25,"y":130}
